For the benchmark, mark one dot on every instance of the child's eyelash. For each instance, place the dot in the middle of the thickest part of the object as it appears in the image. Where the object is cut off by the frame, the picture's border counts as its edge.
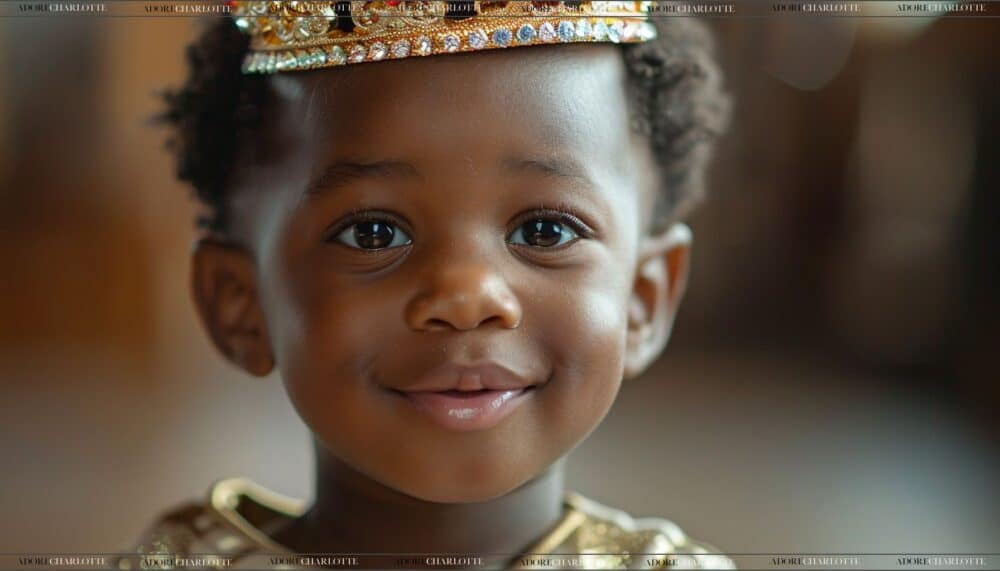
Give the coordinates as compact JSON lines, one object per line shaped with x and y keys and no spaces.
{"x":359,"y":215}
{"x":559,"y":214}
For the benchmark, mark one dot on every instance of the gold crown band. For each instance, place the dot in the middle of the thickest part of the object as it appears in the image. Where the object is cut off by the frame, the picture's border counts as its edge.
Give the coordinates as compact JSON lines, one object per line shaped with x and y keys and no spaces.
{"x":309,"y":35}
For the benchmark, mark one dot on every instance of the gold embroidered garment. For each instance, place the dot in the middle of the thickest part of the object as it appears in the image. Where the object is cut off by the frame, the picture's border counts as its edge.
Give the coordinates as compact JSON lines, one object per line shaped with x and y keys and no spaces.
{"x":229,"y":531}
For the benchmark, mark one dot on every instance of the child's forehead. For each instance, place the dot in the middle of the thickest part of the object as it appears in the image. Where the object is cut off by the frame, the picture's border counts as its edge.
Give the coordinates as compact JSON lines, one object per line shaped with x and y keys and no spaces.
{"x":570,"y":96}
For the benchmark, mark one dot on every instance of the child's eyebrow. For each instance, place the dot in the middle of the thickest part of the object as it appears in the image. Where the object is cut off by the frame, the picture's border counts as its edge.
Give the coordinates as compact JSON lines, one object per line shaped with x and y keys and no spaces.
{"x":548,"y":166}
{"x":341,"y":173}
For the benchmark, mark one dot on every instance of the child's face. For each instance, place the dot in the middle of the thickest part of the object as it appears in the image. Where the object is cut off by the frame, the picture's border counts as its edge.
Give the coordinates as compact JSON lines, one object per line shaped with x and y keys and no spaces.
{"x":412,"y":216}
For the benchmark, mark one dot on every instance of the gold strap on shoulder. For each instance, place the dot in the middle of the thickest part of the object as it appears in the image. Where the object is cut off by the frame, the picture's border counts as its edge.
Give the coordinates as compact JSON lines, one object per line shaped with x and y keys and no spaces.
{"x":225,"y":497}
{"x":570,"y":522}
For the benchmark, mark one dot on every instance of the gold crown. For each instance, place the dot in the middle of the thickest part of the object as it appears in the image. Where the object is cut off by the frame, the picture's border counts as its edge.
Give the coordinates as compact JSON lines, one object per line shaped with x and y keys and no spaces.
{"x":287,"y":35}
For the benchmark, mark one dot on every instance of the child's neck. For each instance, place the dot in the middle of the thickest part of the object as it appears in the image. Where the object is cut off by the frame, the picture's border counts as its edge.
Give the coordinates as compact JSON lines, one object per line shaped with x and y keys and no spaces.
{"x":353,"y":513}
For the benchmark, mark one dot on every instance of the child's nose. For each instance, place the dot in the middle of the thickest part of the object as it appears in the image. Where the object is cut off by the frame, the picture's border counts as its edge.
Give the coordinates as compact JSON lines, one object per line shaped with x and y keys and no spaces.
{"x":464,"y":298}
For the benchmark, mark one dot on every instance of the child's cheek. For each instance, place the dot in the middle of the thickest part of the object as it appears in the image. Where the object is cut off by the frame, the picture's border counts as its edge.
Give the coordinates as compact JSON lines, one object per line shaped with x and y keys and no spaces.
{"x":585,"y":338}
{"x":331,"y":338}
{"x":335,"y":329}
{"x":323,"y":340}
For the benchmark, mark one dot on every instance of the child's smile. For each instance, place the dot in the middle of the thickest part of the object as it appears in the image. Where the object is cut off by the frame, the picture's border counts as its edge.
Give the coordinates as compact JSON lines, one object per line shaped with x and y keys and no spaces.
{"x":469,"y":396}
{"x":460,"y":223}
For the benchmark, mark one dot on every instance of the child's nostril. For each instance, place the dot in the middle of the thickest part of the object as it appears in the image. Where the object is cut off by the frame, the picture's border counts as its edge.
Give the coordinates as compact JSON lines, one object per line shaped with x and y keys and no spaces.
{"x":435,"y":324}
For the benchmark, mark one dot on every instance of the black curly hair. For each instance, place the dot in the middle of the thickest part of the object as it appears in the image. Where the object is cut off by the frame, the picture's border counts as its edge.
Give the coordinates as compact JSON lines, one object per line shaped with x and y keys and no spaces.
{"x":674,"y":87}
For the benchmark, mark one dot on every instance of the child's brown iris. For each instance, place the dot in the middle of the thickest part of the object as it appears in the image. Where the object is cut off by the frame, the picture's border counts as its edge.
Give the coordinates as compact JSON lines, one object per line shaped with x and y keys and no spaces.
{"x":373,"y":234}
{"x":543,"y":233}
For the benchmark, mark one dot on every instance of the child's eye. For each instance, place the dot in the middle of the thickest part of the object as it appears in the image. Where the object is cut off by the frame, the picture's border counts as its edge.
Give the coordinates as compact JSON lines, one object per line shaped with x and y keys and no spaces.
{"x":373,"y":235}
{"x":542,"y":233}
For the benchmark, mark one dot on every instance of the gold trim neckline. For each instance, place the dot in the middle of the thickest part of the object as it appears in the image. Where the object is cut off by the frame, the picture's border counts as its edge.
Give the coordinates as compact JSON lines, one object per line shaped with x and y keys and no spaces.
{"x":224,"y":497}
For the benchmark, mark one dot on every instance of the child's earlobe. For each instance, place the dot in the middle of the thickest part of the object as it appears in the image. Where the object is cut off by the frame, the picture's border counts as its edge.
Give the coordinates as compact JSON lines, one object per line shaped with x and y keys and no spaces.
{"x":224,"y":289}
{"x":659,"y":285}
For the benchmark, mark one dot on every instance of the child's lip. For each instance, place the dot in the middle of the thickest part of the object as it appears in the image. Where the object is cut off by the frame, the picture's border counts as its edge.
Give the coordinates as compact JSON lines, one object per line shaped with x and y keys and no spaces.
{"x":484,"y":375}
{"x":478,"y":410}
{"x":464,"y":397}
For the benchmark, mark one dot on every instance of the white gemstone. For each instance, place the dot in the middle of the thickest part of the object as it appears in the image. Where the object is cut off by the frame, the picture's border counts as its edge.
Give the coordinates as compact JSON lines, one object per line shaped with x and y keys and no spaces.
{"x":583,"y":29}
{"x":357,"y":53}
{"x":616,"y":31}
{"x":477,"y":39}
{"x":502,"y":36}
{"x":244,"y":24}
{"x":423,"y":45}
{"x":526,"y":33}
{"x":629,"y":31}
{"x":600,"y":31}
{"x":401,"y":48}
{"x":378,"y":51}
{"x":336,"y":55}
{"x":285,"y":61}
{"x":302,"y":58}
{"x":547,"y":32}
{"x":451,"y":42}
{"x":317,"y":56}
{"x":271,"y":64}
{"x":646,"y":31}
{"x":250,"y":63}
{"x":566,"y":30}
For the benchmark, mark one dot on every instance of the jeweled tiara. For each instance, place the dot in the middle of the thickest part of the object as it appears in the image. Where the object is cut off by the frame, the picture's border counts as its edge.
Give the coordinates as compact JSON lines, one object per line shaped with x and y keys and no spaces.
{"x":288,"y":35}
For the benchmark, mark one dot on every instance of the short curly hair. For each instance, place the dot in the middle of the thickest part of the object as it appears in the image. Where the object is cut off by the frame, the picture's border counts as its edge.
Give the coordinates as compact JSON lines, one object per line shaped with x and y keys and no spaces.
{"x":674,"y":87}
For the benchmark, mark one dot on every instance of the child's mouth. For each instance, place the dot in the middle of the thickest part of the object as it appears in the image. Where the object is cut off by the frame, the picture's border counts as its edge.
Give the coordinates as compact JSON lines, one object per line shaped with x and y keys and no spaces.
{"x":468,"y":410}
{"x":463,"y":394}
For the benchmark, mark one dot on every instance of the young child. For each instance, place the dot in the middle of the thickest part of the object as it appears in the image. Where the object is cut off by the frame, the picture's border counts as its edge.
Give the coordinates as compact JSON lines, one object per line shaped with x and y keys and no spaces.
{"x":452,"y":259}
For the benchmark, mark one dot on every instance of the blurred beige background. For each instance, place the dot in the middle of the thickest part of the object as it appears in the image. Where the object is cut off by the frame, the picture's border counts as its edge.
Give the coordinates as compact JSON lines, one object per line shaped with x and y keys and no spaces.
{"x":831,"y":386}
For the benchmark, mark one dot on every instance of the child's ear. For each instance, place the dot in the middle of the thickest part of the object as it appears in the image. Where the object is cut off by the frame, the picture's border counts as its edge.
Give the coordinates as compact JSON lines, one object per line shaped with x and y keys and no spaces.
{"x":224,"y":288}
{"x":660,"y":281}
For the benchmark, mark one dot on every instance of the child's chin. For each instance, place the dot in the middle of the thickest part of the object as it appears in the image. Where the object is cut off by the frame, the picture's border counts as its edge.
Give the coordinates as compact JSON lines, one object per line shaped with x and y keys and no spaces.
{"x":474,"y":492}
{"x":451,"y":498}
